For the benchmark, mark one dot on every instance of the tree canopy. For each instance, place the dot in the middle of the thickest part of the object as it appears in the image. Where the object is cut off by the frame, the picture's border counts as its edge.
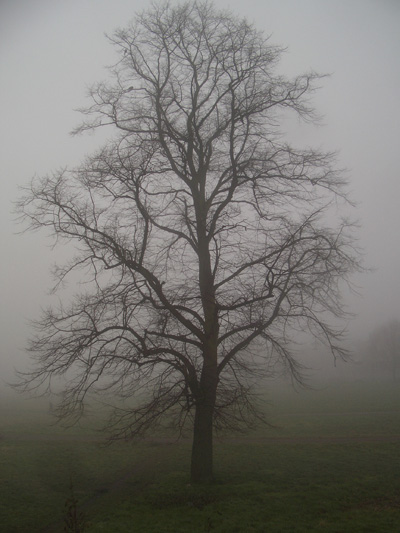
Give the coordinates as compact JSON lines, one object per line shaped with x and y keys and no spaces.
{"x":201,"y":234}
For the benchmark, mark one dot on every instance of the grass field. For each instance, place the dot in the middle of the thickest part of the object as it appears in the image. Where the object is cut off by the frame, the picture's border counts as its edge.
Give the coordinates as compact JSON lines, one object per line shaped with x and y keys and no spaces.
{"x":331,"y":462}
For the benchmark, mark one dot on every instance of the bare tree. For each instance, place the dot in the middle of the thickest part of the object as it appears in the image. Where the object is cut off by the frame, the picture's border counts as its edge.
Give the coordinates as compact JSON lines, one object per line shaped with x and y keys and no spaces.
{"x":383,"y":349}
{"x":205,"y":235}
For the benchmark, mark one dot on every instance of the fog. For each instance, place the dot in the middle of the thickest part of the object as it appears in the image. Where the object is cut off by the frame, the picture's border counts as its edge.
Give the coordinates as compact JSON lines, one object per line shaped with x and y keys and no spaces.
{"x":50,"y":52}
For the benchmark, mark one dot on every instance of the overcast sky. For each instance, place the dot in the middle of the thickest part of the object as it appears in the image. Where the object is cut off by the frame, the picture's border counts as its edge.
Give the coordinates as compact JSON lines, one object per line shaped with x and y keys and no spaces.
{"x":51,"y":51}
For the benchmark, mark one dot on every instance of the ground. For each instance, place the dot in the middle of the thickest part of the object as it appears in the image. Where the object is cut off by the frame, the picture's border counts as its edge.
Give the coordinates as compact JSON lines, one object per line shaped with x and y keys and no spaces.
{"x":330,"y":461}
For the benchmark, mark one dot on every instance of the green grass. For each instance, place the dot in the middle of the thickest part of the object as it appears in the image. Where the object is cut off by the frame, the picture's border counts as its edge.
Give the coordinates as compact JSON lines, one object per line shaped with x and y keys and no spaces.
{"x":331,"y":462}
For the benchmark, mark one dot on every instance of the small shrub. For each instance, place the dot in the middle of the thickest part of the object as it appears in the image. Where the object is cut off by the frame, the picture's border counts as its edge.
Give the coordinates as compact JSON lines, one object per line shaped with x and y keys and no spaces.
{"x":74,"y":520}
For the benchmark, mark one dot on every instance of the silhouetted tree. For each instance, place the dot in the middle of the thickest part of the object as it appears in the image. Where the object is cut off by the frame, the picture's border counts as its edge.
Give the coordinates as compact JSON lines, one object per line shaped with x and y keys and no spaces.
{"x":384,"y":349}
{"x":202,"y":236}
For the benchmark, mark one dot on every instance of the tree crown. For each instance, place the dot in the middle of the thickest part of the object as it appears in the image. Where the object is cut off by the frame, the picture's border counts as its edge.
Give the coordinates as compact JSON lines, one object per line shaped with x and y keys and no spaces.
{"x":205,"y":234}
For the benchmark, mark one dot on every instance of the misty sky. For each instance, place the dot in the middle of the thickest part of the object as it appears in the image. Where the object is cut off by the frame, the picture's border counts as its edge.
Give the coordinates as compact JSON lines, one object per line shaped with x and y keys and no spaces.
{"x":51,"y":51}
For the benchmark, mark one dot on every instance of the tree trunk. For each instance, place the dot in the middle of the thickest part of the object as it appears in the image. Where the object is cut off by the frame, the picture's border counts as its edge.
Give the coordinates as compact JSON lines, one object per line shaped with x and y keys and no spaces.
{"x":202,"y":448}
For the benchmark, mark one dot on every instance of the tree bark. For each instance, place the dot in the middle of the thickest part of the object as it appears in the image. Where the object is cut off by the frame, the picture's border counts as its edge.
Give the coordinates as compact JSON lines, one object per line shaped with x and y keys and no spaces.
{"x":202,"y":448}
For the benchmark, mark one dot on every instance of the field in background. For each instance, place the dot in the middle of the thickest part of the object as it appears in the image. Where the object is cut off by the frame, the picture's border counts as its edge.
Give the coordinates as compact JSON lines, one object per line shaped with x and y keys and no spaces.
{"x":330,"y":462}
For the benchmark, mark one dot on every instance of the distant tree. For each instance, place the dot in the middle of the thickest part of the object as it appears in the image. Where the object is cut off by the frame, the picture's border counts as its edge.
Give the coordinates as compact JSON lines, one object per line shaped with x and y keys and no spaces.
{"x":202,"y":236}
{"x":384,"y":348}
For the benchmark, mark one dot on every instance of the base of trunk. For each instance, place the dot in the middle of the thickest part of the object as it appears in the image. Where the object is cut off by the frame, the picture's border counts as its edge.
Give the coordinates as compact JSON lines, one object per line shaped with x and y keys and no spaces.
{"x":202,"y":449}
